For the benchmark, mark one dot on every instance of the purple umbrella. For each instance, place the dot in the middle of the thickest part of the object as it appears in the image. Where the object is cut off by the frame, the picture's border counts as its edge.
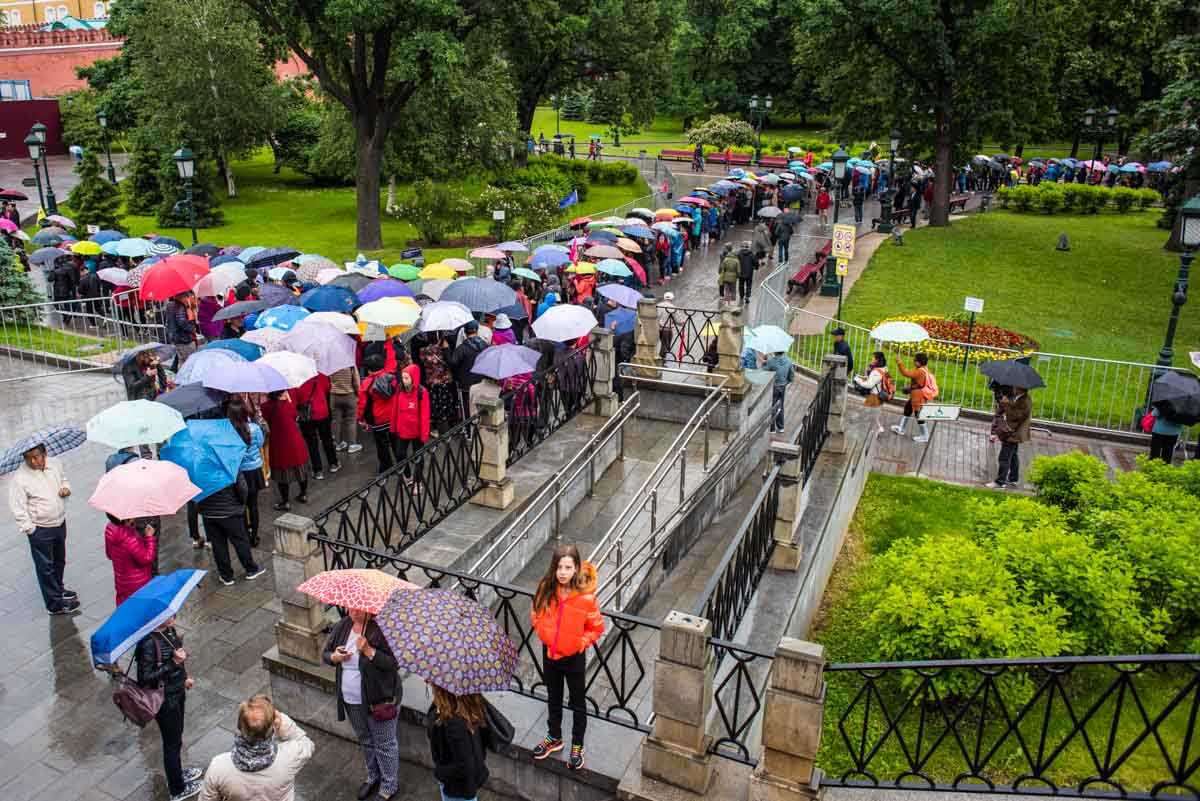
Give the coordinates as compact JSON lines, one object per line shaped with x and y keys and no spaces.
{"x":246,"y":377}
{"x":276,"y":295}
{"x":384,"y":288}
{"x":505,"y":361}
{"x":622,"y":294}
{"x":203,"y":364}
{"x":328,"y":347}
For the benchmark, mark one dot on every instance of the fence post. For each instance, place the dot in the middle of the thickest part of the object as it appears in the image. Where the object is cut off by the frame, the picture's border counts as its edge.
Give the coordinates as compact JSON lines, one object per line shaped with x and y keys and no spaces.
{"x":676,"y":750}
{"x":606,"y":370}
{"x":836,"y":424}
{"x":497,"y":492}
{"x":730,"y":342}
{"x":787,"y":551}
{"x":645,"y":337}
{"x":793,"y":711}
{"x":299,"y":632}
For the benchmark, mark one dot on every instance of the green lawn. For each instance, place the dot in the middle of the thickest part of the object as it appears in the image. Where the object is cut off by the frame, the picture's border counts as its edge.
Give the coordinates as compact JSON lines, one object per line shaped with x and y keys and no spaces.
{"x":41,"y":338}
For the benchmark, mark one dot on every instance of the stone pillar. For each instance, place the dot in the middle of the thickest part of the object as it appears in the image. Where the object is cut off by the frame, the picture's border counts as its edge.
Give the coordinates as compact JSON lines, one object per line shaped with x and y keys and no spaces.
{"x":605,"y":354}
{"x":837,"y":404}
{"x":793,"y":710}
{"x":297,"y":558}
{"x":787,"y":551}
{"x":645,"y":338}
{"x":730,"y":342}
{"x":497,"y":492}
{"x":676,"y":750}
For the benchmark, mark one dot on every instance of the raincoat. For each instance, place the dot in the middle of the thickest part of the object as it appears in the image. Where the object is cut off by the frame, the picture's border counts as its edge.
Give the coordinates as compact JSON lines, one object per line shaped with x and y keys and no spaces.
{"x":315,"y":392}
{"x":572,"y":623}
{"x":373,"y":410}
{"x":410,"y":410}
{"x":132,"y":558}
{"x":287,"y":444}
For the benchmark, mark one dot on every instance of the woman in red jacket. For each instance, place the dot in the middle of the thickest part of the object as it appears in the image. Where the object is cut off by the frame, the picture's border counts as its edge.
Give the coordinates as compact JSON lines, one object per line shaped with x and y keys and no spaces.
{"x":289,"y":454}
{"x":312,"y":406}
{"x":410,"y":419}
{"x":132,"y":556}
{"x":568,"y":622}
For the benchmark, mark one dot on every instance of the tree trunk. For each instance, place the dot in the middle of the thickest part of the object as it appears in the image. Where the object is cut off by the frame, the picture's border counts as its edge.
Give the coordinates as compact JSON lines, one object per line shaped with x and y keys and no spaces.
{"x":1075,"y":145}
{"x":370,"y":137}
{"x":526,"y":107}
{"x":391,"y":195}
{"x":227,"y":168}
{"x":939,"y":213}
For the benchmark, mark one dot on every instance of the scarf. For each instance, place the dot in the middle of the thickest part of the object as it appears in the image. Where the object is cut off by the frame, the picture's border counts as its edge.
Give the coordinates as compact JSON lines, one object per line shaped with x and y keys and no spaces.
{"x":251,"y":757}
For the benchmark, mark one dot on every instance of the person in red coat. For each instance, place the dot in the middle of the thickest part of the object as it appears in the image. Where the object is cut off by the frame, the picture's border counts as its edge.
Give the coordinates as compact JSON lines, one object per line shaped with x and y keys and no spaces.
{"x":376,"y":393}
{"x":289,"y":454}
{"x":312,"y":404}
{"x":131,"y":554}
{"x":410,"y":419}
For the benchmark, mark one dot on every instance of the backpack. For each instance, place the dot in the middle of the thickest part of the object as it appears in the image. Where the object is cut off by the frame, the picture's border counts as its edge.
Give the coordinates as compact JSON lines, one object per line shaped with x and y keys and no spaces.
{"x":887,"y":387}
{"x":384,"y":386}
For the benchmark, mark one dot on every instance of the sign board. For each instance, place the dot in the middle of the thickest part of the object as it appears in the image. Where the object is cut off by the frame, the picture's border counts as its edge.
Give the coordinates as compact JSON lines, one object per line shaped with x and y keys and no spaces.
{"x":93,"y":229}
{"x":974,"y":305}
{"x":498,"y":214}
{"x":843,"y":241}
{"x":843,"y":267}
{"x":28,"y":182}
{"x":935,"y":412}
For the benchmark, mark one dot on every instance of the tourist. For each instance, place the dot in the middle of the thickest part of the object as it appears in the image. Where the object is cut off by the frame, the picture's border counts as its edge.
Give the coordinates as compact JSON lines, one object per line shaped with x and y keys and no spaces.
{"x":179,"y":320}
{"x":367,"y":687}
{"x":234,"y":327}
{"x":842,"y":348}
{"x":823,"y":203}
{"x":375,"y":396}
{"x":410,"y":421}
{"x":568,"y":622}
{"x":269,"y":750}
{"x":1010,"y":425}
{"x":748,"y":264}
{"x":160,"y":663}
{"x":64,"y":279}
{"x":251,"y":468}
{"x":915,"y":207}
{"x":144,"y":376}
{"x":857,"y":197}
{"x":37,"y":497}
{"x":922,"y":389}
{"x":463,"y":359}
{"x":727,"y":274}
{"x":783,"y":236}
{"x":877,"y":385}
{"x":312,"y":410}
{"x":1164,"y":435}
{"x":455,"y":726}
{"x":785,"y":373}
{"x":132,"y":555}
{"x":289,"y":455}
{"x":224,"y":516}
{"x":343,"y":402}
{"x":503,"y":331}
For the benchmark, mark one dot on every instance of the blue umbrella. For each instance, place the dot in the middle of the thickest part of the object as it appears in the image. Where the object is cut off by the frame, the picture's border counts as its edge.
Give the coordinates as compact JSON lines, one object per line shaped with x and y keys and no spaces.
{"x":133,"y":247}
{"x":514,"y":312}
{"x":1113,"y":168}
{"x":1158,"y":166}
{"x":247,"y":350}
{"x":108,"y":235}
{"x":1131,"y":166}
{"x":614,"y":267}
{"x":480,"y":295}
{"x":268,"y":257}
{"x":46,"y":238}
{"x":639,"y":231}
{"x":46,"y":255}
{"x":246,"y":254}
{"x":329,"y":299}
{"x":623,"y":319}
{"x":282,"y":317}
{"x":622,"y":294}
{"x":210,"y":451}
{"x":603,"y":237}
{"x":57,"y":439}
{"x":166,"y":240}
{"x":549,"y":259}
{"x":225,"y":260}
{"x":110,"y":247}
{"x":141,"y":613}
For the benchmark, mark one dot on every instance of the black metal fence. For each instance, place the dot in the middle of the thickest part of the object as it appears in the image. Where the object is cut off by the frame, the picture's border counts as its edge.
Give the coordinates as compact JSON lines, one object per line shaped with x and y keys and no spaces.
{"x":814,"y":428}
{"x":398,"y":507}
{"x":686,"y":335}
{"x":737,"y":698}
{"x":1111,"y":726}
{"x":544,"y":403}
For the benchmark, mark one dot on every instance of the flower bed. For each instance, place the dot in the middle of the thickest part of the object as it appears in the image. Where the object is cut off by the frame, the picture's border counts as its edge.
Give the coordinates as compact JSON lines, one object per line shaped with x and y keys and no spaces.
{"x":987,"y":341}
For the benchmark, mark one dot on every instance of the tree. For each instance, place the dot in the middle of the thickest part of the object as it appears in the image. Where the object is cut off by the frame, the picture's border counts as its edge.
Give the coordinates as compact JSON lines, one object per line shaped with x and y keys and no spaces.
{"x":622,"y":105}
{"x":721,"y":132}
{"x":15,"y":287}
{"x":140,"y":187}
{"x":94,"y":201}
{"x":172,"y":211}
{"x":576,"y":105}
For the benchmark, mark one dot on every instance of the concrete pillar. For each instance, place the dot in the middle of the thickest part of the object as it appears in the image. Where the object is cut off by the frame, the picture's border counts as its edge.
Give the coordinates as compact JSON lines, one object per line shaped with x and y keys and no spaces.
{"x":676,"y":750}
{"x":730,"y":343}
{"x":497,"y":492}
{"x":793,"y":710}
{"x":605,"y":354}
{"x":837,"y":404}
{"x":787,"y":551}
{"x":297,"y":558}
{"x":645,"y":337}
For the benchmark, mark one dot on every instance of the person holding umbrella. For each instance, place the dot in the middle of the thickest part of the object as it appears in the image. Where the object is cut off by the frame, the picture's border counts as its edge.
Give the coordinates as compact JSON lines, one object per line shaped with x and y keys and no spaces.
{"x":1174,"y":405}
{"x":160,"y":661}
{"x":144,"y":376}
{"x":251,"y":467}
{"x":1011,"y":426}
{"x":179,"y":317}
{"x":37,"y":497}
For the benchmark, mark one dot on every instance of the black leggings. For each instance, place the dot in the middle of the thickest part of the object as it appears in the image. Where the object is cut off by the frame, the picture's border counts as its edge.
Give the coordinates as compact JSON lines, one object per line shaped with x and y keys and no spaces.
{"x":283,"y":490}
{"x":405,"y":448}
{"x":318,"y":434}
{"x":1162,"y":446}
{"x":571,"y":671}
{"x":170,"y":726}
{"x":223,"y":532}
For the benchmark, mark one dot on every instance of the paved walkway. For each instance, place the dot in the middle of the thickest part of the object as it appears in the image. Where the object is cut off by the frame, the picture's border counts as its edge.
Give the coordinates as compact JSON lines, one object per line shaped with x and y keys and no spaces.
{"x":62,"y":179}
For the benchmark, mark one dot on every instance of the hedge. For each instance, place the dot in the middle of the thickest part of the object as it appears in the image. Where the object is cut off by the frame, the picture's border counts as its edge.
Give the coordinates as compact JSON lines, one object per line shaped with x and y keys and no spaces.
{"x":1051,"y":198}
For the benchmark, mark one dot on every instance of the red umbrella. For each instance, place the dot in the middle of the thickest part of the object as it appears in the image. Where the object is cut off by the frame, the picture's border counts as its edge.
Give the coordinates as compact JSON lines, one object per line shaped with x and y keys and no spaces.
{"x":579,"y":222}
{"x":173,"y":275}
{"x":637,"y":270}
{"x":12,"y":194}
{"x":695,"y":201}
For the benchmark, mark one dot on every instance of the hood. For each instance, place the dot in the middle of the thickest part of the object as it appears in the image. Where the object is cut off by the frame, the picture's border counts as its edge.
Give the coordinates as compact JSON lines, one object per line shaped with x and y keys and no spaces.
{"x":589,"y":579}
{"x":414,"y":373}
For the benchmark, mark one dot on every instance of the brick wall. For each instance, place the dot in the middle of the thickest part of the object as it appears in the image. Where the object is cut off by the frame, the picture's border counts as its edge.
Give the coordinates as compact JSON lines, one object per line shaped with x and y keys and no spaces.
{"x":47,"y":59}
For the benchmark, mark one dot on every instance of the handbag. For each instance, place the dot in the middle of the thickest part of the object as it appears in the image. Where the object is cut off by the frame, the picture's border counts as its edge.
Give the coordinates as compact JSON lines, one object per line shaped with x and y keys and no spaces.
{"x":1148,"y":422}
{"x":138,"y":704}
{"x":303,"y":412}
{"x":384,"y":712}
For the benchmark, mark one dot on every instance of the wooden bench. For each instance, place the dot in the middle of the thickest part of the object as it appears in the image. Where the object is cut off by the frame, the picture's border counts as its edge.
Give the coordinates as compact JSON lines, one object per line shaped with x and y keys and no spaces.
{"x":775,"y":162}
{"x":959,"y":201}
{"x":805,"y":279}
{"x":740,"y":159}
{"x":898,"y":217}
{"x":676,"y":155}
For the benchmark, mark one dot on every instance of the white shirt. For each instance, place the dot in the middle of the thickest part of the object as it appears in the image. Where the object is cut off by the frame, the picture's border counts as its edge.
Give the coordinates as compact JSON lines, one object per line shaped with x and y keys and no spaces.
{"x":351,"y":675}
{"x":33,"y":496}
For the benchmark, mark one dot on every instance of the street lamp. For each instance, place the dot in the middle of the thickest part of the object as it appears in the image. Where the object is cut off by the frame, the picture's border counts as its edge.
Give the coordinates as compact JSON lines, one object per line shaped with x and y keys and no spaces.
{"x":1099,"y":123}
{"x":102,"y":118}
{"x":38,"y":130}
{"x":35,"y":153}
{"x":885,"y":204}
{"x":1189,"y":237}
{"x":758,"y":113}
{"x":833,"y":284}
{"x":185,"y":162}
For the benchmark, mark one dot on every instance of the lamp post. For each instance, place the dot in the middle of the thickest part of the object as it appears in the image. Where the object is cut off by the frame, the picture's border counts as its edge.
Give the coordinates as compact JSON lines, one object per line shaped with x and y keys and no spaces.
{"x":38,"y":130}
{"x":102,"y":118}
{"x":185,"y":162}
{"x":885,"y":204}
{"x":1099,"y":123}
{"x":758,"y":113}
{"x":833,"y":284}
{"x":1189,"y":230}
{"x":35,"y":153}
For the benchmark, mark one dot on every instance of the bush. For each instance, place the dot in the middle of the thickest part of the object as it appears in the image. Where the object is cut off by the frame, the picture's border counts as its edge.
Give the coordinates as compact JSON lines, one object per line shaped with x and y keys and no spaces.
{"x":1124,"y":198}
{"x":722,"y":131}
{"x":1093,"y":198}
{"x":16,"y":289}
{"x":94,"y":201}
{"x":1147,"y":198}
{"x":527,"y":210}
{"x":435,"y":211}
{"x":1049,"y":198}
{"x":1023,"y":197}
{"x":1060,"y":479}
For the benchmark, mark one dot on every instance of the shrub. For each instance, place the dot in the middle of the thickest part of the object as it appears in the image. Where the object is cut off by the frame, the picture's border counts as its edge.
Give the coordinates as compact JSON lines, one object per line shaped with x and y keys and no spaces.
{"x":1023,"y":197}
{"x":722,"y":131}
{"x":528,"y":210}
{"x":1147,"y":198}
{"x":94,"y":201}
{"x":1070,"y":197}
{"x":1093,"y":198}
{"x":1060,"y":479}
{"x":1124,"y":198}
{"x":1048,"y":198}
{"x":1004,"y":195}
{"x":16,"y":289}
{"x":435,"y":210}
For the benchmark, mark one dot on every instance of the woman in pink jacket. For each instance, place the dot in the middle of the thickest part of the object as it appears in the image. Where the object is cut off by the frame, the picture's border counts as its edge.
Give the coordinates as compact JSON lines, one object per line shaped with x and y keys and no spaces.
{"x":131,"y":554}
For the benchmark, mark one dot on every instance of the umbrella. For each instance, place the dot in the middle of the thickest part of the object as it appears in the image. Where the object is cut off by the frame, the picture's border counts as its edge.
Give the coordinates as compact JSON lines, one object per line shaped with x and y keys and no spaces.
{"x":1132,"y":166}
{"x":144,"y":487}
{"x":637,"y":270}
{"x":343,"y":323}
{"x":329,"y":299}
{"x":247,"y":350}
{"x":167,"y":240}
{"x":514,"y":312}
{"x":529,"y":275}
{"x":8,"y":226}
{"x":770,"y":339}
{"x":549,"y":259}
{"x":163,"y":352}
{"x":85,"y":248}
{"x":12,"y":194}
{"x":579,"y":222}
{"x":405,"y":272}
{"x":240,"y":309}
{"x":268,"y":257}
{"x":459,"y":265}
{"x":246,"y":254}
{"x":448,"y":640}
{"x":227,"y":258}
{"x":383,"y":288}
{"x":135,"y":422}
{"x":57,"y":439}
{"x":488,"y":253}
{"x":638,"y":231}
{"x":281,"y":317}
{"x":389,"y":312}
{"x":22,"y":235}
{"x":269,"y":338}
{"x":620,"y":321}
{"x":281,"y":273}
{"x":310,"y":270}
{"x":583,"y":268}
{"x":173,"y":275}
{"x":1176,"y":395}
{"x":770,"y":211}
{"x":210,"y":451}
{"x":206,"y":250}
{"x":444,"y":316}
{"x":193,"y":399}
{"x":364,"y":589}
{"x":505,"y":361}
{"x":217,"y":284}
{"x":328,"y":274}
{"x":695,"y":201}
{"x":1158,"y":166}
{"x":162,"y":249}
{"x":107,"y":235}
{"x":564,"y":322}
{"x":1012,"y":373}
{"x":622,"y":294}
{"x":899,"y":331}
{"x":480,"y":294}
{"x":628,"y":245}
{"x":352,"y":281}
{"x":141,"y":613}
{"x":512,"y":247}
{"x":614,"y":267}
{"x":47,"y":237}
{"x":243,"y":376}
{"x":46,"y":255}
{"x":204,"y":363}
{"x":434,"y":287}
{"x":603,"y":252}
{"x":328,"y":347}
{"x":605,"y":237}
{"x":439,"y":270}
{"x":645,"y":214}
{"x":295,"y":368}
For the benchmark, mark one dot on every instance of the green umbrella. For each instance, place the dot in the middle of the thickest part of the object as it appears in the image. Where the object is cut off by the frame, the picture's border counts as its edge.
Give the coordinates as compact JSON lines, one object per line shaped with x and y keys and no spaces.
{"x":525,"y":272}
{"x":405,"y":272}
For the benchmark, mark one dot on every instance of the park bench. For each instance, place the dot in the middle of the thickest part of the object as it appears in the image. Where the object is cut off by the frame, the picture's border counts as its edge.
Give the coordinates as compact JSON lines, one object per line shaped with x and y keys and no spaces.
{"x":774,"y":162}
{"x":959,"y":202}
{"x":809,"y":275}
{"x":741,"y":159}
{"x":898,"y":217}
{"x":676,"y":155}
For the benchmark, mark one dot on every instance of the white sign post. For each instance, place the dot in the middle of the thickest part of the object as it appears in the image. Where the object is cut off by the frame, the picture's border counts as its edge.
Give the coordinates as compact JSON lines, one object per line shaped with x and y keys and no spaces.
{"x":974,"y":306}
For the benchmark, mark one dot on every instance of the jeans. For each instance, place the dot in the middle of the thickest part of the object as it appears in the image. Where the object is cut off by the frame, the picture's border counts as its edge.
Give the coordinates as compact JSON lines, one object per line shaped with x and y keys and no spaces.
{"x":744,"y":285}
{"x":193,"y":520}
{"x":1162,"y":446}
{"x":383,"y":448}
{"x":221,"y":532}
{"x":569,"y":670}
{"x":453,"y":797}
{"x":1010,"y":464}
{"x":344,"y":411}
{"x":858,"y":212}
{"x":48,"y":546}
{"x":783,"y":250}
{"x":380,"y":748}
{"x":170,"y":726}
{"x":314,"y":430}
{"x":778,"y":395}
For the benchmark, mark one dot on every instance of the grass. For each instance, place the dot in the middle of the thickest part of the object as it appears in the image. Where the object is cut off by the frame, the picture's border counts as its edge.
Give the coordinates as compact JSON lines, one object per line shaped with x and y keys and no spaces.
{"x":892,"y":508}
{"x":36,"y":337}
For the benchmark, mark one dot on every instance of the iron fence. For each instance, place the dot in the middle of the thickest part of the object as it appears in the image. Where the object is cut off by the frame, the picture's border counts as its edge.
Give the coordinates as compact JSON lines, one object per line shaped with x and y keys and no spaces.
{"x":401,"y":505}
{"x":814,"y":428}
{"x":688,"y":336}
{"x":1110,"y":726}
{"x":540,"y":406}
{"x":737,"y":700}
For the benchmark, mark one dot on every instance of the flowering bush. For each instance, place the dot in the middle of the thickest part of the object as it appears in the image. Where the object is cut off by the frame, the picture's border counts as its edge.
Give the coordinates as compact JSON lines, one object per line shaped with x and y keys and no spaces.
{"x":946,"y":332}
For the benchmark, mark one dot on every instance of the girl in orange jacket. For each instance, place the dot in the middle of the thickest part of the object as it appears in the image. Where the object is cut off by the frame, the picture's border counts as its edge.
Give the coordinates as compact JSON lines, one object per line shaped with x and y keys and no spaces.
{"x":568,"y":622}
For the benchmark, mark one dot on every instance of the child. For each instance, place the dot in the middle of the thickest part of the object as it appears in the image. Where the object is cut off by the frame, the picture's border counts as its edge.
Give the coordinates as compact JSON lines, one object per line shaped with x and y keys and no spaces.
{"x":568,"y":622}
{"x":455,"y":725}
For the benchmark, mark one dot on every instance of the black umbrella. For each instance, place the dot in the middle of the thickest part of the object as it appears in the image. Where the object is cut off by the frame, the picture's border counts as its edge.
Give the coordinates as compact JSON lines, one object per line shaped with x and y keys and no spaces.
{"x":240,"y":309}
{"x":1002,"y":157}
{"x":193,"y":399}
{"x":790,"y":193}
{"x":12,"y":194}
{"x":1176,"y":395}
{"x":351,"y":281}
{"x":167,"y":240}
{"x":208,"y":251}
{"x":164,"y":352}
{"x":271,"y":257}
{"x":789,"y":218}
{"x":276,"y":295}
{"x":1012,"y":373}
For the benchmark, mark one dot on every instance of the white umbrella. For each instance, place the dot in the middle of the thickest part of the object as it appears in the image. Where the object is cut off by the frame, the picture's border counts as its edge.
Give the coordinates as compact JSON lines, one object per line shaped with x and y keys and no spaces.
{"x":114,"y":275}
{"x":899,"y":331}
{"x":769,"y":339}
{"x":136,"y":422}
{"x":389,"y":312}
{"x":564,"y":322}
{"x":217,"y":284}
{"x":328,"y":347}
{"x":266,"y":338}
{"x":328,"y":274}
{"x":434,"y":287}
{"x":342,"y":322}
{"x":294,"y":367}
{"x":445,"y":315}
{"x":770,"y":211}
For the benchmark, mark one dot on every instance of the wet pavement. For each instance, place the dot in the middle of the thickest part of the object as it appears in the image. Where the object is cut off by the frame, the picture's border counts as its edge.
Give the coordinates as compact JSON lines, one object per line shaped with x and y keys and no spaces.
{"x":62,"y":178}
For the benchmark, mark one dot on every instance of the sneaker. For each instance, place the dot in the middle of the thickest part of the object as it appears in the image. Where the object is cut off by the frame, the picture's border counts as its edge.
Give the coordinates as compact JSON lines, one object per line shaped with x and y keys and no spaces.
{"x":994,"y":485}
{"x":302,"y":499}
{"x":192,"y":774}
{"x":228,"y":582}
{"x":198,"y":544}
{"x":575,"y":760}
{"x":281,"y":507}
{"x":319,"y":476}
{"x":341,"y":446}
{"x":190,"y":790}
{"x":898,"y":429}
{"x":255,"y":574}
{"x":74,"y":610}
{"x":354,"y":448}
{"x":547,"y":747}
{"x":333,"y":468}
{"x":70,"y":595}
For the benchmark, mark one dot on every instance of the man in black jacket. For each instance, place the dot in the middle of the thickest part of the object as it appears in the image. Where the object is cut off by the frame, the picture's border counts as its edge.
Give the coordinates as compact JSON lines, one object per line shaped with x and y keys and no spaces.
{"x":749,"y":263}
{"x":463,"y":359}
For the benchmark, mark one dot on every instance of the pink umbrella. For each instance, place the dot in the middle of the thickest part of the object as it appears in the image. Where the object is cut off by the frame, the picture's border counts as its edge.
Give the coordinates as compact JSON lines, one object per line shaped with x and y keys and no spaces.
{"x":143,"y":488}
{"x":8,"y":226}
{"x":488,"y":253}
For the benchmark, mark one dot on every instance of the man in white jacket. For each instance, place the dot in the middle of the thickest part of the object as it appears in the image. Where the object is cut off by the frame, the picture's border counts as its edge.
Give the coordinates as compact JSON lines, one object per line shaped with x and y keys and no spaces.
{"x":37,"y":496}
{"x":268,"y":751}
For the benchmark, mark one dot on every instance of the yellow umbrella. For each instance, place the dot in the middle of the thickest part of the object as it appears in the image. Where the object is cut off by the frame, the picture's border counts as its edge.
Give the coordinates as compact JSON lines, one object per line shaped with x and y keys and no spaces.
{"x":375,"y":333}
{"x":86,"y":248}
{"x":439,"y":270}
{"x":583,"y":268}
{"x":672,"y":212}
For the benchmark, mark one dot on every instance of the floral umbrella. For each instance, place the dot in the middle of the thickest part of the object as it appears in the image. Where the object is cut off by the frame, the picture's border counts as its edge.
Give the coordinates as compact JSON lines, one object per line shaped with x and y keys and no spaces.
{"x":365,"y":589}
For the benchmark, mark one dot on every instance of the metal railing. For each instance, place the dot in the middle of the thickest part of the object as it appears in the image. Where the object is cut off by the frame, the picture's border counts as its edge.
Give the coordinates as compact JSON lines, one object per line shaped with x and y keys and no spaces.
{"x":738,"y":689}
{"x":391,"y":513}
{"x":1104,"y":726}
{"x":540,"y":406}
{"x":686,"y":335}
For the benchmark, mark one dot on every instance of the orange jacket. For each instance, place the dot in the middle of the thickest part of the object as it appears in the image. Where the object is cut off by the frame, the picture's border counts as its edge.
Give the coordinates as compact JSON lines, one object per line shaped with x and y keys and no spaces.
{"x":572,"y":624}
